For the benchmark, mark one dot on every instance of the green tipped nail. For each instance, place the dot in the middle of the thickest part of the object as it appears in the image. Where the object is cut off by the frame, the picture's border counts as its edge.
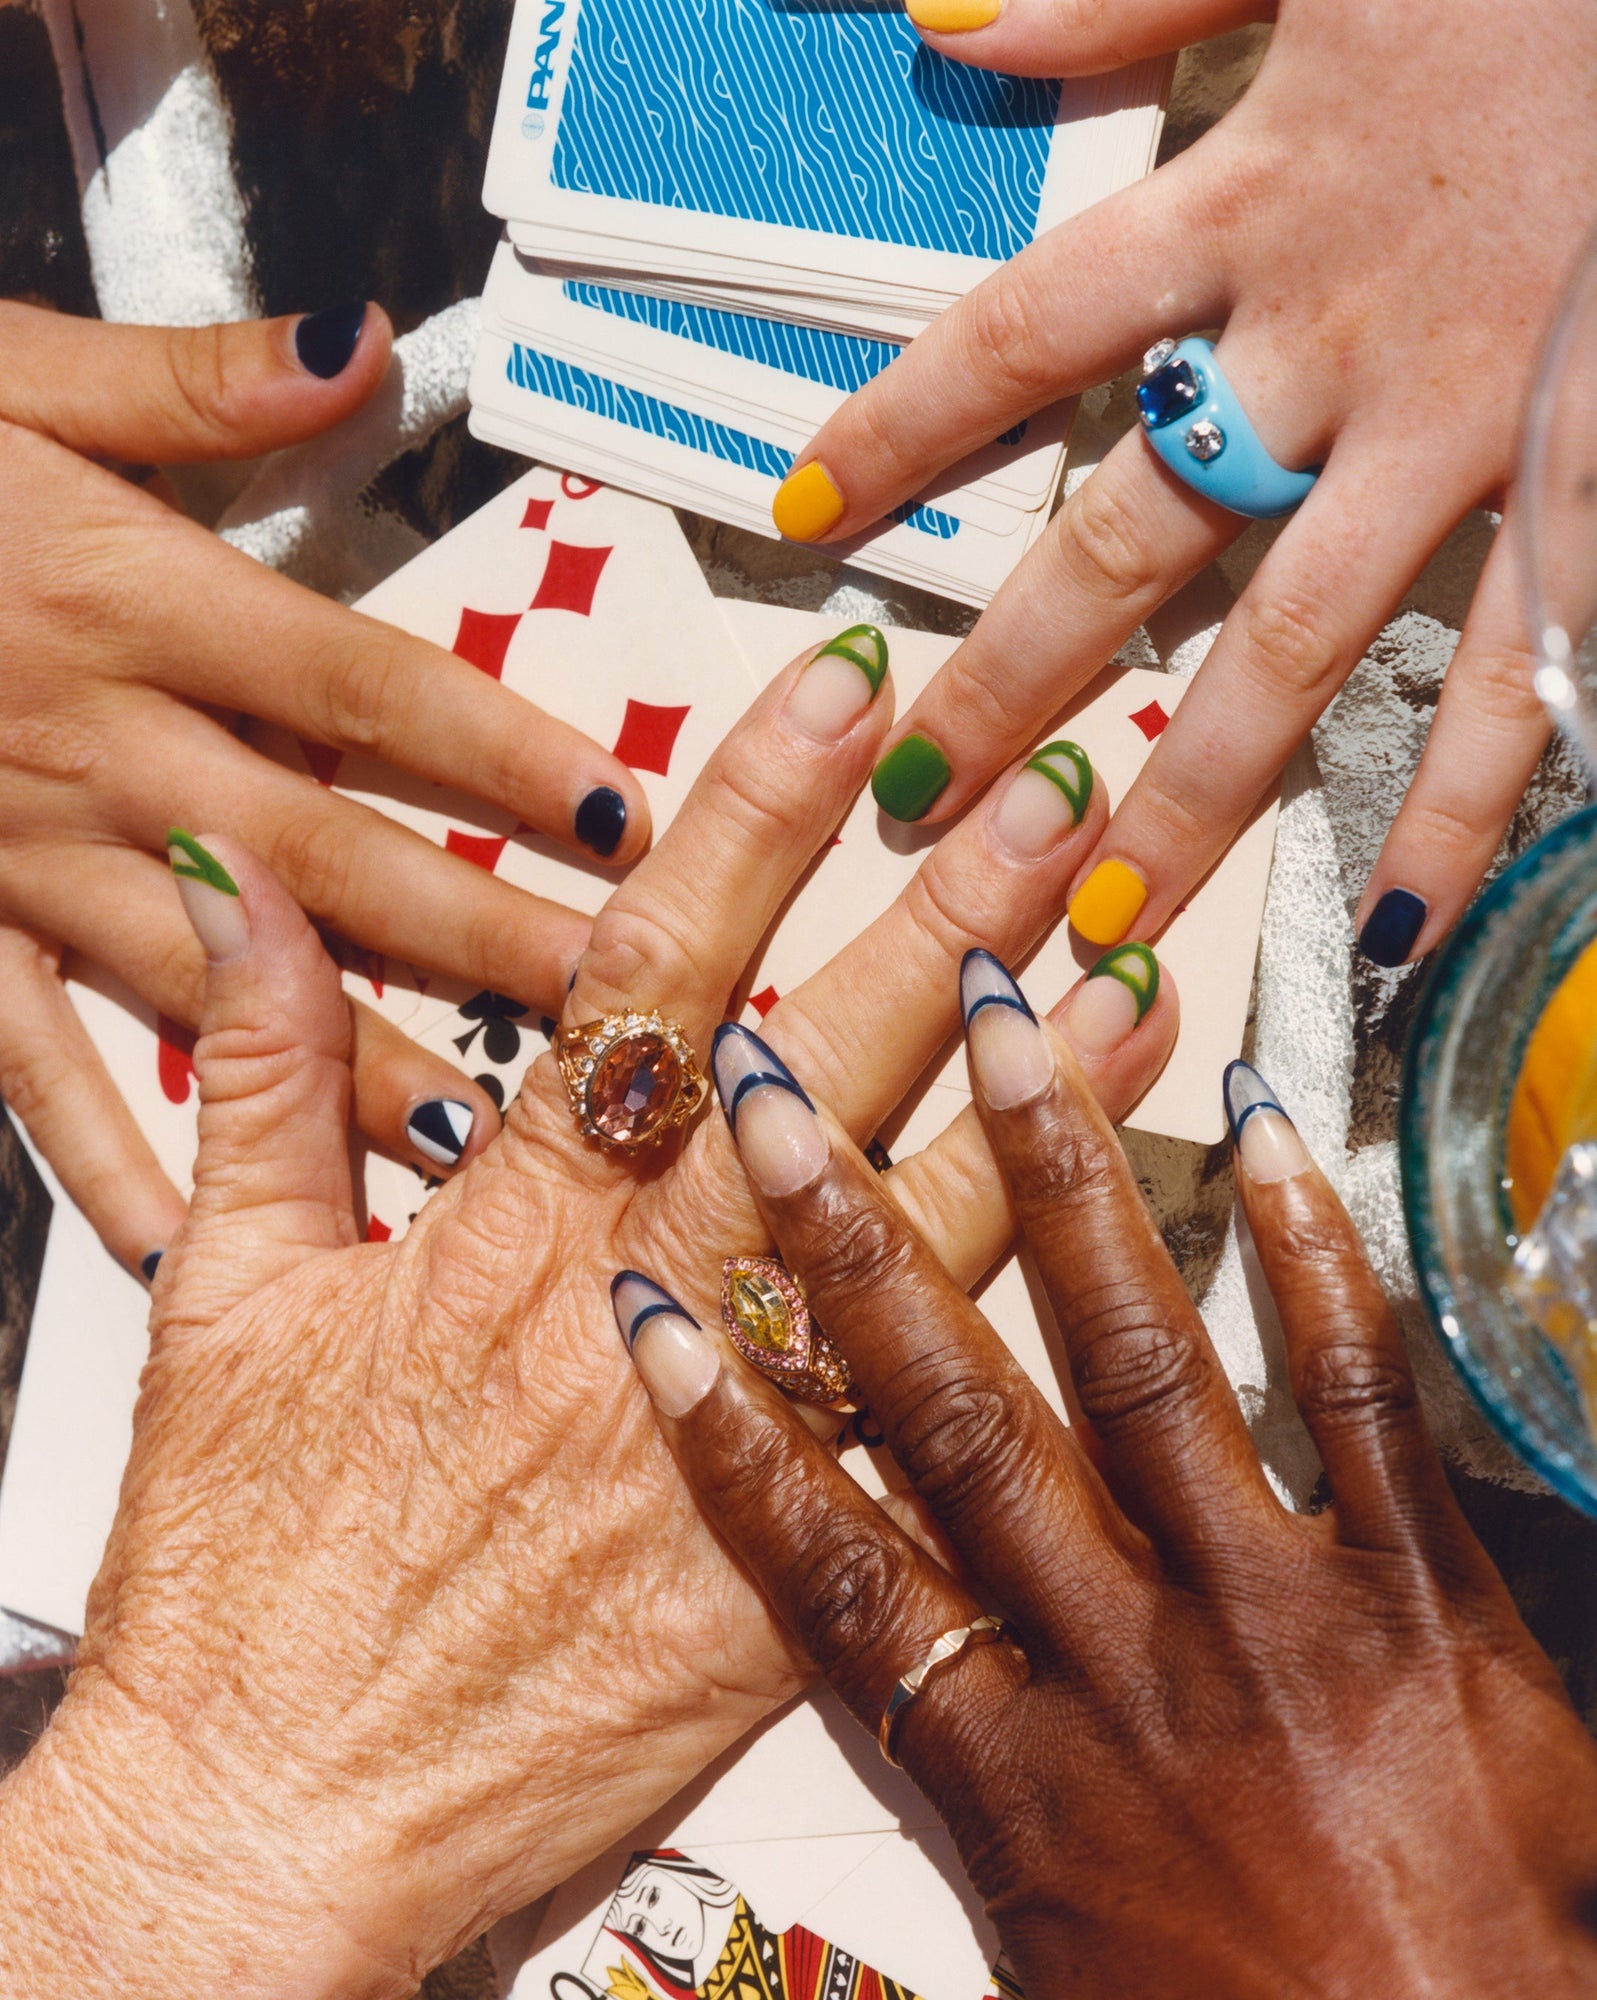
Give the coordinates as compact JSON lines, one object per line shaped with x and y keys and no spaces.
{"x":1069,"y":767}
{"x":1137,"y":970}
{"x":906,"y":783}
{"x":864,"y":647}
{"x":201,"y":865}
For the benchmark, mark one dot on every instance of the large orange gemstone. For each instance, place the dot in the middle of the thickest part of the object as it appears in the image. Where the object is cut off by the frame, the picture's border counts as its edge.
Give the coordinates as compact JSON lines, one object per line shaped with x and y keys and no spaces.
{"x":633,"y":1088}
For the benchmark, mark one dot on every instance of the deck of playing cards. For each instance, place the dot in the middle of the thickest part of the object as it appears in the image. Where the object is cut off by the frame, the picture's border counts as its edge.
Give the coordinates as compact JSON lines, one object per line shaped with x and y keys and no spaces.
{"x":723,"y":219}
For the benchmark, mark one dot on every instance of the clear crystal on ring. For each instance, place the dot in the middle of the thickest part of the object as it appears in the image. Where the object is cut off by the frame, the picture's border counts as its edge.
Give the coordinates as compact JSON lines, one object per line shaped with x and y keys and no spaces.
{"x":1157,"y":356}
{"x":1205,"y":440}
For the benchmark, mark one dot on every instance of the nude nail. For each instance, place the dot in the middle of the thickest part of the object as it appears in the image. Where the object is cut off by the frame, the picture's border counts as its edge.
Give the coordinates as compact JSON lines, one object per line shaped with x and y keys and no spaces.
{"x":1265,"y":1138}
{"x":1009,"y":1054}
{"x":679,"y":1363}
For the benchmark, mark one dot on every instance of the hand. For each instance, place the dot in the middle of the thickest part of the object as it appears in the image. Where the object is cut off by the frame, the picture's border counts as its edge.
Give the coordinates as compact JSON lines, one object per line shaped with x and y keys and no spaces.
{"x":133,"y":640}
{"x":406,"y":1612}
{"x":1382,"y":227}
{"x":1224,"y":1749}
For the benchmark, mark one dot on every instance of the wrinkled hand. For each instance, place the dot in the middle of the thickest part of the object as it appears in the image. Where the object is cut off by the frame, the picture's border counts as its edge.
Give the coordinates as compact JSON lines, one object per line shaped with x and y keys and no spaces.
{"x":406,"y":1612}
{"x":1221,"y":1749}
{"x":1381,"y":227}
{"x":133,"y":640}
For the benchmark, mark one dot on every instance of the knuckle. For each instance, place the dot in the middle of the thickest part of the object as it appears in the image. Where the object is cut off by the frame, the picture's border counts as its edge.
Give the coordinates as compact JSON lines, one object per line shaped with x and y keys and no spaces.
{"x":1105,"y":547}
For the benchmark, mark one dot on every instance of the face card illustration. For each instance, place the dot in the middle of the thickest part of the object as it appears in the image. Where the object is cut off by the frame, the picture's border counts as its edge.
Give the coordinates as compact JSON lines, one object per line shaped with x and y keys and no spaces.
{"x":675,"y":1929}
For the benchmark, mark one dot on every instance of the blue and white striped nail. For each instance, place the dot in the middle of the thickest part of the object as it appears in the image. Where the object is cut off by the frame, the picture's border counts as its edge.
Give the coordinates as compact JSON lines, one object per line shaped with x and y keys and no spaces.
{"x":778,"y":1133}
{"x":676,"y":1360}
{"x":1265,"y":1138}
{"x":1010,"y":1060}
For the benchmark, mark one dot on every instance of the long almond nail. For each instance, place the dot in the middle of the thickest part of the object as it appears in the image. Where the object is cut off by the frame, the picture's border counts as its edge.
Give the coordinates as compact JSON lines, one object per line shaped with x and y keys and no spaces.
{"x":676,"y":1359}
{"x":1112,"y":999}
{"x":1009,"y":1053}
{"x":1266,"y":1140}
{"x":839,"y":684}
{"x":1045,"y":799}
{"x":210,"y":897}
{"x":782,"y":1142}
{"x":807,"y":504}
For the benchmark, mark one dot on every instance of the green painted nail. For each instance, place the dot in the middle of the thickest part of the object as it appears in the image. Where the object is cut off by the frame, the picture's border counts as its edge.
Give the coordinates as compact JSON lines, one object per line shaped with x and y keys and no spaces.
{"x":201,"y":866}
{"x":864,"y":647}
{"x":1069,"y":767}
{"x":1137,"y":970}
{"x":906,"y":783}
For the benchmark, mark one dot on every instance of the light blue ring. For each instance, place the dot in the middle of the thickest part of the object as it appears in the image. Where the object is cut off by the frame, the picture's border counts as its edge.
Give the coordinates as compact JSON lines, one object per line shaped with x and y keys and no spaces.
{"x":1244,"y":478}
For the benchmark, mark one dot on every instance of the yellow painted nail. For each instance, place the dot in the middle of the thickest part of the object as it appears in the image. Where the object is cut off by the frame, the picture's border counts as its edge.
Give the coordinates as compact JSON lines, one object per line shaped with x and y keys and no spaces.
{"x":1108,"y":903}
{"x":953,"y":17}
{"x":807,"y":504}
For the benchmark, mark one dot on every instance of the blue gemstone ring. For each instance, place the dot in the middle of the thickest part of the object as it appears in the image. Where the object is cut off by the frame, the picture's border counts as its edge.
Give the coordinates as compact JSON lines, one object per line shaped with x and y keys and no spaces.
{"x":1191,"y":417}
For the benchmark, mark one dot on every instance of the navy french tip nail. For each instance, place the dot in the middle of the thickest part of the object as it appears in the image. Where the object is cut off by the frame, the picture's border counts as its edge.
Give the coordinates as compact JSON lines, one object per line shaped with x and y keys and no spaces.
{"x":985,"y":981}
{"x":326,"y":341}
{"x":637,"y":1300}
{"x":741,"y":1062}
{"x":1392,"y":926}
{"x":602,"y":820}
{"x":151,"y":1265}
{"x":1245,"y":1092}
{"x":440,"y":1128}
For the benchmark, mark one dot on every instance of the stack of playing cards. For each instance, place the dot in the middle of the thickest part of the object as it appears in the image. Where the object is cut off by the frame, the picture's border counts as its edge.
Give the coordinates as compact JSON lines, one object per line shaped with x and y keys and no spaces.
{"x":724,"y":218}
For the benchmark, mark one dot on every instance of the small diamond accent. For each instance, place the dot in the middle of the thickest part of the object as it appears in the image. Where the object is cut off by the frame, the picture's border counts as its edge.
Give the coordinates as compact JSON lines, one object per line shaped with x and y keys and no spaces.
{"x":1157,"y":356}
{"x":1205,"y":440}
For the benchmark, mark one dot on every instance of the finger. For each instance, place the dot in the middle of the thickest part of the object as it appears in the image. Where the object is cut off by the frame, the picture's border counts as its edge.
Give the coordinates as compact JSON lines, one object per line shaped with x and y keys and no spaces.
{"x":1129,"y":536}
{"x":170,"y":395}
{"x":1484,"y":745}
{"x":116,"y":909}
{"x":678,"y":933}
{"x":1173,"y":1444}
{"x":271,"y":1177}
{"x":1003,"y":1477}
{"x":53,"y":1079}
{"x":862,"y":1599}
{"x":1350,"y":1371}
{"x":1074,"y":37}
{"x":1311,"y":611}
{"x":1121,"y":1036}
{"x":1074,"y":309}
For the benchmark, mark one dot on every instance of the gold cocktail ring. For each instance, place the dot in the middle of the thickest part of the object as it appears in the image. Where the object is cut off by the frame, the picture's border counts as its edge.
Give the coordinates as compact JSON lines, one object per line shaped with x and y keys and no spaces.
{"x":630,"y":1078}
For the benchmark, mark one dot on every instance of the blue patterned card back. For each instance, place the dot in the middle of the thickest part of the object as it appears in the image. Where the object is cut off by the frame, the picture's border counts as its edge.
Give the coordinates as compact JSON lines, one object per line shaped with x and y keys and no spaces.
{"x":826,"y":115}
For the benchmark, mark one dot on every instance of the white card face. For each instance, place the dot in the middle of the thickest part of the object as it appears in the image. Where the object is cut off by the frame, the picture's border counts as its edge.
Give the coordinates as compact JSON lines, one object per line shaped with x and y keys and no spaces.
{"x":1208,"y":949}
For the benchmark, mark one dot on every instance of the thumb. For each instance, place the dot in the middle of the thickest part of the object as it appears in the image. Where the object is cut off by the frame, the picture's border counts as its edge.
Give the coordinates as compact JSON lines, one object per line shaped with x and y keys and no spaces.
{"x":272,"y":1175}
{"x":171,"y":395}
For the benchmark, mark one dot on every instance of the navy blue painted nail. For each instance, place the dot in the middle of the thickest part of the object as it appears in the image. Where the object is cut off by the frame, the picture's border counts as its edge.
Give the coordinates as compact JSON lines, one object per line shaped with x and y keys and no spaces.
{"x":1245,"y":1092}
{"x":602,"y":820}
{"x":741,"y":1062}
{"x":985,"y":981}
{"x":637,"y":1300}
{"x":1392,"y":926}
{"x":326,"y":341}
{"x":439,"y":1129}
{"x":151,"y":1265}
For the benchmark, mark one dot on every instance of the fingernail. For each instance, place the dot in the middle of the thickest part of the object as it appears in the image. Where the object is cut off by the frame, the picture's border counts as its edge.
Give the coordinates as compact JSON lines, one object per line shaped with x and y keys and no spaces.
{"x":602,"y":820}
{"x":908,"y":780}
{"x":1266,"y":1140}
{"x":673,"y":1354}
{"x":1009,"y":1054}
{"x":1113,"y":998}
{"x":326,"y":341}
{"x":150,"y":1265}
{"x":1108,"y":903}
{"x":807,"y":504}
{"x":953,"y":17}
{"x":439,"y":1129}
{"x":839,"y":684}
{"x":210,"y":896}
{"x":1392,"y":926}
{"x":782,"y":1141}
{"x":1045,"y":799}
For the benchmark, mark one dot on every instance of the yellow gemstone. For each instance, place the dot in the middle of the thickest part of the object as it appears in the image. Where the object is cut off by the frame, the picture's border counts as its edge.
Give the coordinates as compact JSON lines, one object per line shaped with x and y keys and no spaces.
{"x":761,"y":1312}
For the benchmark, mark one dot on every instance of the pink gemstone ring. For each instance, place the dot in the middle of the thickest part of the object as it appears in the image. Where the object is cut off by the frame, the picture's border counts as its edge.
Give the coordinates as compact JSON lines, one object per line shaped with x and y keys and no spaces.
{"x":630,"y":1078}
{"x":769,"y":1322}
